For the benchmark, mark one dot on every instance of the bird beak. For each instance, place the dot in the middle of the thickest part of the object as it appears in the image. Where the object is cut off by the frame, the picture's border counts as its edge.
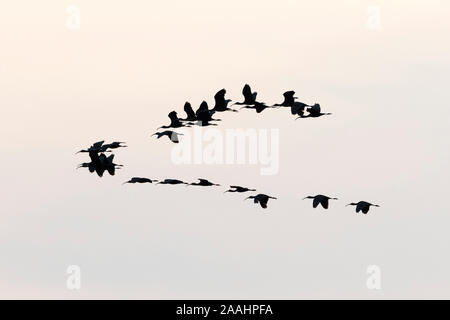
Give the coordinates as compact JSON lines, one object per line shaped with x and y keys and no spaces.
{"x":305,"y":198}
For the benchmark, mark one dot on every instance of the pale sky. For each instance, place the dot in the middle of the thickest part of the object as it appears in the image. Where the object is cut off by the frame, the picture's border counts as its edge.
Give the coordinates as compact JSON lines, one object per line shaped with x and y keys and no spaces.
{"x":132,"y":62}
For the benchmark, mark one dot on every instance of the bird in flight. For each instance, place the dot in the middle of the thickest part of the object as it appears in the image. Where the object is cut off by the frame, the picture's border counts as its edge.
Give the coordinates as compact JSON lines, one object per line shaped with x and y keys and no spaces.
{"x":113,"y":145}
{"x":221,"y":104}
{"x":362,"y":206}
{"x":258,"y":106}
{"x":190,"y":114}
{"x":96,"y":147}
{"x":140,"y":180}
{"x":249,"y":96}
{"x":239,"y":189}
{"x":261,"y":198}
{"x":320,"y":199}
{"x":314,"y":112}
{"x":203,"y":183}
{"x":172,"y":135}
{"x":100,"y":146}
{"x":108,"y":164}
{"x":100,"y":164}
{"x":175,"y":122}
{"x":289,"y":99}
{"x":204,"y":114}
{"x":171,"y":181}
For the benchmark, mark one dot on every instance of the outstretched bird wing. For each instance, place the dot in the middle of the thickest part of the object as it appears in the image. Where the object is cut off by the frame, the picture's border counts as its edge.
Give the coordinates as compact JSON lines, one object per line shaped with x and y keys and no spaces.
{"x":189,"y":111}
{"x":359,"y":207}
{"x":98,"y":144}
{"x":289,"y":94}
{"x":220,"y":95}
{"x":316,"y":202}
{"x":263,"y":203}
{"x":298,"y":107}
{"x":324,"y":203}
{"x":247,"y":92}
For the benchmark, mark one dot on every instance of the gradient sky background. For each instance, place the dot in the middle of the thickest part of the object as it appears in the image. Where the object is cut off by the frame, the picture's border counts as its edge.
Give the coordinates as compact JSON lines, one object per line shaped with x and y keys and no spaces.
{"x":131,"y":62}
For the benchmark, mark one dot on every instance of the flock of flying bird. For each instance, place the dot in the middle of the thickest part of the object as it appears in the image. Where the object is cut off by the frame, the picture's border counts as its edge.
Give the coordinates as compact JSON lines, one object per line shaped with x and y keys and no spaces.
{"x":204,"y":116}
{"x":100,"y":162}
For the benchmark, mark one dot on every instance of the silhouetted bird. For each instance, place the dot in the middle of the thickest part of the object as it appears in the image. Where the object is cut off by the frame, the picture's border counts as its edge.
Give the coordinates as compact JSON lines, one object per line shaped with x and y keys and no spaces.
{"x":239,"y":189}
{"x":172,"y":135}
{"x":100,"y":164}
{"x":95,"y":165}
{"x":314,"y":112}
{"x":362,"y":206}
{"x":101,"y":147}
{"x":171,"y":181}
{"x":204,"y":114}
{"x":204,"y":183}
{"x":221,"y":104}
{"x":190,"y":114}
{"x":258,"y":106}
{"x":113,"y":145}
{"x":96,"y":147}
{"x":320,"y":198}
{"x":174,"y":121}
{"x":108,"y":164}
{"x":140,"y":180}
{"x":249,"y":96}
{"x":261,"y":198}
{"x":89,"y":165}
{"x":289,"y":99}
